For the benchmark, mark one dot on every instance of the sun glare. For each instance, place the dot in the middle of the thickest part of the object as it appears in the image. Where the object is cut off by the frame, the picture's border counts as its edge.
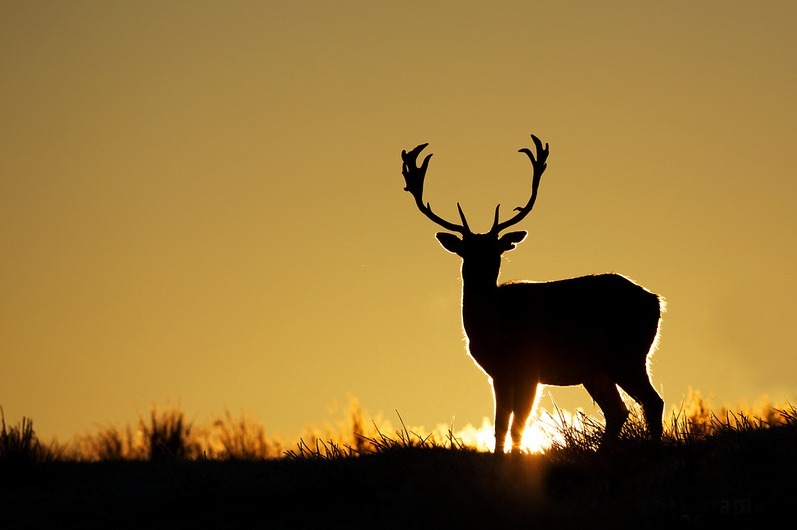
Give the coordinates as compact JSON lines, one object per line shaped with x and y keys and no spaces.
{"x":541,"y":433}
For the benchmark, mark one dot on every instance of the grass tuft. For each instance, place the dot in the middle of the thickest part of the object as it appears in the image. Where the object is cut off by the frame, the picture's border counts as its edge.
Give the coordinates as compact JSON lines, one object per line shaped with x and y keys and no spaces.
{"x":240,"y":439}
{"x":19,"y":445}
{"x":168,"y":436}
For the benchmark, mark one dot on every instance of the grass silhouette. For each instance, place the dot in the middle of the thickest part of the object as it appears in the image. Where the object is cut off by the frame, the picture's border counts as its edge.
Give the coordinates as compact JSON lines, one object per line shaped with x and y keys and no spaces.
{"x":712,"y":467}
{"x":19,"y":445}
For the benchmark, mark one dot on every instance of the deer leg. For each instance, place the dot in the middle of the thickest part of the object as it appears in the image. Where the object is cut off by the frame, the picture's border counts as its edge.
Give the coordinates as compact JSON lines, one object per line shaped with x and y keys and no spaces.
{"x":604,"y":391}
{"x":523,"y":404}
{"x":503,"y":393}
{"x":642,"y":391}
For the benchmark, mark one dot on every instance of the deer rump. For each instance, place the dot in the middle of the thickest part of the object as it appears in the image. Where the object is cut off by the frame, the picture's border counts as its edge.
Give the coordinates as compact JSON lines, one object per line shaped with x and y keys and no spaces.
{"x":566,"y":332}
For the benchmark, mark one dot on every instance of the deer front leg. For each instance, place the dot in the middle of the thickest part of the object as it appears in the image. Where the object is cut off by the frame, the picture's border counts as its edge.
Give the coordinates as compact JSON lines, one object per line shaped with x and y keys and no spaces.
{"x":524,"y":397}
{"x":503,"y":393}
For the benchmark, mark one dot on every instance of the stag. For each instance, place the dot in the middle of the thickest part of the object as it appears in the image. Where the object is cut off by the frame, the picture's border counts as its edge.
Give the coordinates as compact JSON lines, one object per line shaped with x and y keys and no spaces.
{"x":598,"y":331}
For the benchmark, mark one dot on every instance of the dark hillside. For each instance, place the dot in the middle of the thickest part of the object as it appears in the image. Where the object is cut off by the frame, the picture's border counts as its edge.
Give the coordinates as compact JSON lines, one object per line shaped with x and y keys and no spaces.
{"x":733,"y":478}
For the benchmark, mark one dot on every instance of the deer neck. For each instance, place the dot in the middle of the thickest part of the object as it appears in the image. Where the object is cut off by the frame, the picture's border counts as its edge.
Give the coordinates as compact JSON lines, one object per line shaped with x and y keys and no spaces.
{"x":479,"y":300}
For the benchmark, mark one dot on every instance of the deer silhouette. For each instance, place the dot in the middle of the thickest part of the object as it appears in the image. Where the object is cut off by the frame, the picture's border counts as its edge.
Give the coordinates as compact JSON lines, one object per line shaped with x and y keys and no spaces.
{"x":598,"y":331}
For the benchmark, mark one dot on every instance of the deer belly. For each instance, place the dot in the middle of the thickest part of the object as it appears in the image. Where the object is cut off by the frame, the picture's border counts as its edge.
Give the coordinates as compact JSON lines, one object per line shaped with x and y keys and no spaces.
{"x":566,"y":374}
{"x":544,"y":363}
{"x":564,"y":364}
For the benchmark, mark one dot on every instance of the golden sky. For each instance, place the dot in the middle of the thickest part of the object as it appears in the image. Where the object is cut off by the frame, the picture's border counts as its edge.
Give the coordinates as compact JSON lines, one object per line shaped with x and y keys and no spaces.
{"x":202,"y":202}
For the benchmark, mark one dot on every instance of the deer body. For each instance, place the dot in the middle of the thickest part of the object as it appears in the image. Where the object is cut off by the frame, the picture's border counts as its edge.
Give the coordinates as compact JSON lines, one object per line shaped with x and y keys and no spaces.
{"x":561,"y":332}
{"x":597,"y":331}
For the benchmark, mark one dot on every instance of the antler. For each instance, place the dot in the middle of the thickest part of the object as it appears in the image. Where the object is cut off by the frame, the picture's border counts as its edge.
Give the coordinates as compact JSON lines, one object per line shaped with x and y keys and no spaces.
{"x":413,"y":176}
{"x":539,"y":164}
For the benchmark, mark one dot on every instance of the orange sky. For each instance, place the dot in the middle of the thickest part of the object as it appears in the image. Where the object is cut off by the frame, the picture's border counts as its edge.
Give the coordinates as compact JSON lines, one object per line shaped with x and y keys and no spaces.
{"x":202,"y":202}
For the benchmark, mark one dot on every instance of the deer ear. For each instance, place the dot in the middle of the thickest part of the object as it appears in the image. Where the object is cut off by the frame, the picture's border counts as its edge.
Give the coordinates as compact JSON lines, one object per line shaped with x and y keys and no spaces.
{"x":450,"y":242}
{"x":508,"y":241}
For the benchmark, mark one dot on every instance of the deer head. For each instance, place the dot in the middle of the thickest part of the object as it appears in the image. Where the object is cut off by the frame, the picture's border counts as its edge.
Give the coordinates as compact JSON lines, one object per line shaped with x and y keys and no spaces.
{"x":481,"y":253}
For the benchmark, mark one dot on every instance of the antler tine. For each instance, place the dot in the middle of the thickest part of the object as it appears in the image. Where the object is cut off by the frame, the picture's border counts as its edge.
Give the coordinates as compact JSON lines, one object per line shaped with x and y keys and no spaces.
{"x":414,"y":177}
{"x":462,"y":216}
{"x":539,"y":164}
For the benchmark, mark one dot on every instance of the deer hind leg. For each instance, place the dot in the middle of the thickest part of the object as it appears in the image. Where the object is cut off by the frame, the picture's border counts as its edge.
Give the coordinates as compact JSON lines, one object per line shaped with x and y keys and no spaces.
{"x":503,"y":392}
{"x":604,"y":391}
{"x":641,"y":390}
{"x":523,"y":404}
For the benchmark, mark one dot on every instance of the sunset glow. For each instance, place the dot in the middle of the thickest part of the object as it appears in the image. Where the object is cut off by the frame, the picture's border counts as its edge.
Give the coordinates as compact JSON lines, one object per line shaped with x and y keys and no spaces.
{"x":540,"y":434}
{"x":202,"y":202}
